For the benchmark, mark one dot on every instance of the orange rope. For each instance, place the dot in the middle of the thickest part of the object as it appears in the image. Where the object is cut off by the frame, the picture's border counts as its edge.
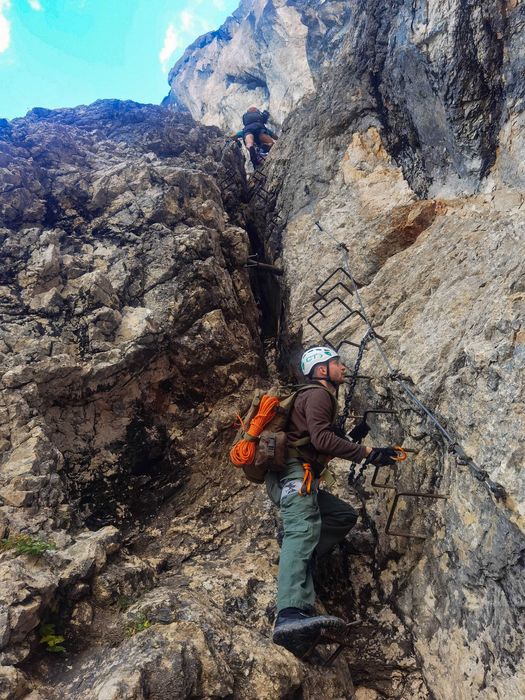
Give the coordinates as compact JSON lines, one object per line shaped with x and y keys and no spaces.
{"x":307,"y":480}
{"x":243,"y":452}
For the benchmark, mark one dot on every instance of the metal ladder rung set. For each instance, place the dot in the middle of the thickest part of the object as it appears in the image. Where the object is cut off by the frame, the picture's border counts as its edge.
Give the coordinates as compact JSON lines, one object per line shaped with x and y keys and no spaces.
{"x":258,"y":191}
{"x":321,"y":305}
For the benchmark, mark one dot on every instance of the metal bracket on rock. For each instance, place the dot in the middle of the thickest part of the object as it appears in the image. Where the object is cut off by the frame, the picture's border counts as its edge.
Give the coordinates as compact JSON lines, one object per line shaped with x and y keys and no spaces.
{"x":407,"y":494}
{"x":265,"y":267}
{"x":257,"y":189}
{"x":324,"y":300}
{"x":227,"y":181}
{"x":397,"y":496}
{"x":327,"y":637}
{"x":347,"y":313}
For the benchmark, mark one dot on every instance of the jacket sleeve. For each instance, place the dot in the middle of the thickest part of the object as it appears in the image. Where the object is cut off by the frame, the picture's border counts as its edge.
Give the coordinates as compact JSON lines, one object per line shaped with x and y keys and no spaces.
{"x":318,"y":414}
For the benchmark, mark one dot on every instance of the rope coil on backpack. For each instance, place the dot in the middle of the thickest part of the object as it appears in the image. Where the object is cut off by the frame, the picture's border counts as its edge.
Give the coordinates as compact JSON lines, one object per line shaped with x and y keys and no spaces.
{"x":243,"y":452}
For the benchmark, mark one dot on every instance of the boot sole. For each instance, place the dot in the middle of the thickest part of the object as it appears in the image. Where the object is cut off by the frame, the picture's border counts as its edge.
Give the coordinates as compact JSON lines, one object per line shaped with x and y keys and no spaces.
{"x":298,"y":636}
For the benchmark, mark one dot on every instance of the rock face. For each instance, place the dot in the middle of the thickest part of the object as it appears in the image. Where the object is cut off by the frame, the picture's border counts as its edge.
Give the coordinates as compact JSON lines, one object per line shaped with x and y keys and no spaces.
{"x":128,"y":319}
{"x":440,"y":80}
{"x":116,"y":243}
{"x":258,"y":57}
{"x":132,"y":338}
{"x":409,"y":153}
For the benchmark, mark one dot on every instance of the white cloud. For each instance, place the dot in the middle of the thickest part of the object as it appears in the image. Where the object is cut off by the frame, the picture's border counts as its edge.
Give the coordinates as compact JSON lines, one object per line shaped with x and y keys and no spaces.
{"x":171,"y":44}
{"x":5,"y":26}
{"x":187,"y":20}
{"x":35,"y":5}
{"x":182,"y":31}
{"x":219,"y":4}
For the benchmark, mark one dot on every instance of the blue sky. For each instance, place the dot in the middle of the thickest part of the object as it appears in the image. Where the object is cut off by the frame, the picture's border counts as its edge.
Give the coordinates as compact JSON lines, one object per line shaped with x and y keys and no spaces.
{"x":61,"y":53}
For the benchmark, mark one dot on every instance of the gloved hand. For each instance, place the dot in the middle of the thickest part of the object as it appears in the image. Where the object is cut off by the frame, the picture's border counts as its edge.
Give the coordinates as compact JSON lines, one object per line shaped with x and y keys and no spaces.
{"x":382,"y":456}
{"x":359,"y":431}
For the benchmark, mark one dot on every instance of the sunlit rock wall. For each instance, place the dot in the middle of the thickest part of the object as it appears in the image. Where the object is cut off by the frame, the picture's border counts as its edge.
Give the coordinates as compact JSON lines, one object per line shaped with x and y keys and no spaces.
{"x":408,"y":158}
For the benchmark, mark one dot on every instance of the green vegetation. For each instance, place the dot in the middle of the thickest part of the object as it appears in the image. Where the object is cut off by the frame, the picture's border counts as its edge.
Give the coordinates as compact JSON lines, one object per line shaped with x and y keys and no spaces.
{"x":138,"y":625}
{"x":25,"y":544}
{"x":51,"y":640}
{"x":123,"y":602}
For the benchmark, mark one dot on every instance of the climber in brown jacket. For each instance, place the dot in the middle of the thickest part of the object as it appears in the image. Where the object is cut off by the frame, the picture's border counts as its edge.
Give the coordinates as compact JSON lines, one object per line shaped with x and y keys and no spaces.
{"x":314,"y":520}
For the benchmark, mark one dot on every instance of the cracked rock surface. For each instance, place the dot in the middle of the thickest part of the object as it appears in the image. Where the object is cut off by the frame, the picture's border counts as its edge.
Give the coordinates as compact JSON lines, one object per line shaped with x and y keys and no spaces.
{"x":440,"y":272}
{"x":441,"y":79}
{"x":131,"y":340}
{"x":128,"y":324}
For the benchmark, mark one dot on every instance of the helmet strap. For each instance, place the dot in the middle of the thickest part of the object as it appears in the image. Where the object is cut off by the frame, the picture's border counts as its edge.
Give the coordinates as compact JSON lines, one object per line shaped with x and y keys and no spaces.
{"x":327,"y":378}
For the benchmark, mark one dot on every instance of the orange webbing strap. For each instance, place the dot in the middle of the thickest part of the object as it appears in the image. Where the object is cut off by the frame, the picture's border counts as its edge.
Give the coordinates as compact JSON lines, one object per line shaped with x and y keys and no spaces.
{"x":307,"y":480}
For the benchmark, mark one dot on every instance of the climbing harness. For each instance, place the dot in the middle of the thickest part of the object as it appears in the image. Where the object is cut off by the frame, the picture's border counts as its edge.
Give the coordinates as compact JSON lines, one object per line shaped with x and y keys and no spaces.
{"x":454,"y":447}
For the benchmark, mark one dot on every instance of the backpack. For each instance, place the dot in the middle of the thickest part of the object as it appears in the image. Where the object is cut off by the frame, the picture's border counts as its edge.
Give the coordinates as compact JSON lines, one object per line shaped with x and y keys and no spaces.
{"x":249,"y":118}
{"x":271,"y":446}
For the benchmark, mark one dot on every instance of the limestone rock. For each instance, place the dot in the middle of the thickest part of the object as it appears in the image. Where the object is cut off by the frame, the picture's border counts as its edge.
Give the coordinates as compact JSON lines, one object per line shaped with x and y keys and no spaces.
{"x":441,"y":283}
{"x":125,"y":295}
{"x":441,"y":82}
{"x":258,"y":57}
{"x":13,"y":684}
{"x":130,"y":342}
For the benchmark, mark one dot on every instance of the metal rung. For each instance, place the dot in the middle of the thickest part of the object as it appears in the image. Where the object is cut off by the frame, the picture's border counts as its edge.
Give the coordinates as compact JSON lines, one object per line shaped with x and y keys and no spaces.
{"x":408,"y":494}
{"x":320,"y":287}
{"x":320,"y":312}
{"x":322,"y":297}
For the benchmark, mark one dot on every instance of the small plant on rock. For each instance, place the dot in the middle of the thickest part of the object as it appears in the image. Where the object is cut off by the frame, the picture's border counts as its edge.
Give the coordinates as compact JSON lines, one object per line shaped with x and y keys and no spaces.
{"x":25,"y":544}
{"x":138,"y":625}
{"x":51,"y":640}
{"x":123,"y":602}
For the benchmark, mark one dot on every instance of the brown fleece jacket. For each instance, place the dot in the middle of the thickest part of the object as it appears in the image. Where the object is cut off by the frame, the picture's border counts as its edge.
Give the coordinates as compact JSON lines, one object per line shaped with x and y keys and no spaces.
{"x":312,"y":415}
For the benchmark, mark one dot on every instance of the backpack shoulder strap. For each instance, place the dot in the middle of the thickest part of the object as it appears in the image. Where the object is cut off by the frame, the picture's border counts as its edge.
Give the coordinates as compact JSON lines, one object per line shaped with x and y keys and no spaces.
{"x":335,"y":406}
{"x":305,"y":441}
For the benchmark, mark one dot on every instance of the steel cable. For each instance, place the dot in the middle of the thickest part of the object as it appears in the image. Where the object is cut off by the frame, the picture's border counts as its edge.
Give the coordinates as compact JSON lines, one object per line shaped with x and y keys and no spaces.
{"x":480,"y":474}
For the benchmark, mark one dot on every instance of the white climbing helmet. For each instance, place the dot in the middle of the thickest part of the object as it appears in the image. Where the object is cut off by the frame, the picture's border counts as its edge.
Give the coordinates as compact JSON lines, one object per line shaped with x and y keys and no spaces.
{"x":313,"y":356}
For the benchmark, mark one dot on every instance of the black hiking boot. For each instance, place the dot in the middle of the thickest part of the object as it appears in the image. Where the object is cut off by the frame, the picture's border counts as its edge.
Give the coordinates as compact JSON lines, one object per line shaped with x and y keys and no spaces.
{"x":297,"y":631}
{"x":254,"y":157}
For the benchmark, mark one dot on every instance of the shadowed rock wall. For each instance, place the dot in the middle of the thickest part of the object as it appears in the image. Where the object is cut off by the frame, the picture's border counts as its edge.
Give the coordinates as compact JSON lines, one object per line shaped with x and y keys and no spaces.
{"x":127,"y":315}
{"x":131,"y":341}
{"x":441,"y":281}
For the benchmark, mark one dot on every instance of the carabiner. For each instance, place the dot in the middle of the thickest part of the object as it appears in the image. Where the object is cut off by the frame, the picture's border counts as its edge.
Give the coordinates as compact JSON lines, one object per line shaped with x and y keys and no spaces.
{"x":402,"y":454}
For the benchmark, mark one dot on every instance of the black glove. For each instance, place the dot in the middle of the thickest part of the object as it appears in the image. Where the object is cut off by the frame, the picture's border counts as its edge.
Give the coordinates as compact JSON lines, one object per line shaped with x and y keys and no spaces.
{"x":382,"y":456}
{"x":265,"y":115}
{"x":359,"y":431}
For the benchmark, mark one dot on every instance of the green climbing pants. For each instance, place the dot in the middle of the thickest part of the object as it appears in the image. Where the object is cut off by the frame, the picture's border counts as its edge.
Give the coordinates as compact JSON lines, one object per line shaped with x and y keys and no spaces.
{"x":314,"y":522}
